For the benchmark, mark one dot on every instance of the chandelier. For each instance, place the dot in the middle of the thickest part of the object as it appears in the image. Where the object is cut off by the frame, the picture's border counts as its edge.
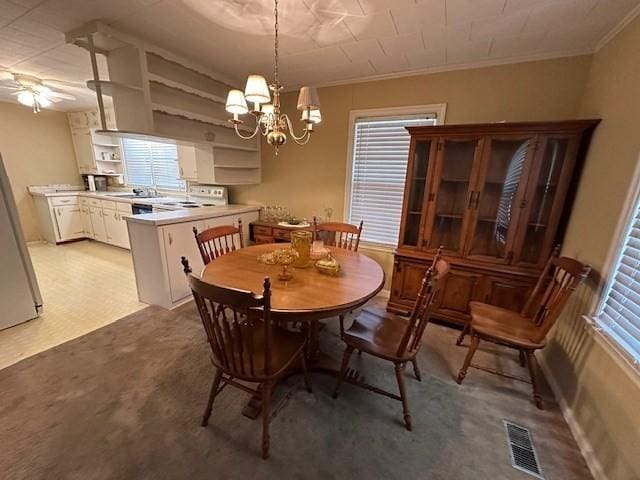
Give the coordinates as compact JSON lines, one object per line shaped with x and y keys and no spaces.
{"x":269,"y":120}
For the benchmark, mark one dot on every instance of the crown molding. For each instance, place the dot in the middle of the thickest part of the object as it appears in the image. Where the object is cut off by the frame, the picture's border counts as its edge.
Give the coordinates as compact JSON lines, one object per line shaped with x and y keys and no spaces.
{"x":449,"y":68}
{"x":628,"y":18}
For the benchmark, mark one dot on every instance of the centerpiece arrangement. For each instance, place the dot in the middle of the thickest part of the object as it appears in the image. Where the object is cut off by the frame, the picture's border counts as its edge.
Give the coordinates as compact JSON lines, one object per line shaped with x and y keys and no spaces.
{"x":283,"y":257}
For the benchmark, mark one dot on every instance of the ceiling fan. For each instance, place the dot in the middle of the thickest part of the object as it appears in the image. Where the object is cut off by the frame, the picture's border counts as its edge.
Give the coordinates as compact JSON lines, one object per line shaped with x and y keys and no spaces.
{"x":33,"y":92}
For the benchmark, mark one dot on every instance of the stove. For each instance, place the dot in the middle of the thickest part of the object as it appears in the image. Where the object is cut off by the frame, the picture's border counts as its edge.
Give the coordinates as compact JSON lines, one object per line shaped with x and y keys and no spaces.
{"x":198,"y":196}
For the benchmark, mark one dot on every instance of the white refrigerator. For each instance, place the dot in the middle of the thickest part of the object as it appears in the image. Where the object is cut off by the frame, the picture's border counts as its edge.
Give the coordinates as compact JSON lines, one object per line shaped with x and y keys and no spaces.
{"x":20,"y":298}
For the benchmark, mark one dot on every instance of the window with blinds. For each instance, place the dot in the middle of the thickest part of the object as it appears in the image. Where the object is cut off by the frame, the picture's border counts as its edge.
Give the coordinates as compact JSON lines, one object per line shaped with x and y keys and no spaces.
{"x":379,"y":167}
{"x":151,"y":164}
{"x":619,"y":314}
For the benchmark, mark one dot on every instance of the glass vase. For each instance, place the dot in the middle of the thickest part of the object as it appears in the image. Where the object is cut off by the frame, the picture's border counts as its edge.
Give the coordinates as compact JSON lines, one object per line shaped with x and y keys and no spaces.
{"x":301,"y":243}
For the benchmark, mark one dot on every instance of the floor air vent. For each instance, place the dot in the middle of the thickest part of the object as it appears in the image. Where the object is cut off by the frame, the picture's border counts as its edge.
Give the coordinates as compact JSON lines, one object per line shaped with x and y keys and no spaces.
{"x":523,"y":454}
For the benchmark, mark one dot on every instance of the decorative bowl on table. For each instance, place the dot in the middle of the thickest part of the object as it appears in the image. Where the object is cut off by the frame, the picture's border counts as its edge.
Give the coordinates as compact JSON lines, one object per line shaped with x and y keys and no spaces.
{"x":283,"y":257}
{"x":328,"y":265}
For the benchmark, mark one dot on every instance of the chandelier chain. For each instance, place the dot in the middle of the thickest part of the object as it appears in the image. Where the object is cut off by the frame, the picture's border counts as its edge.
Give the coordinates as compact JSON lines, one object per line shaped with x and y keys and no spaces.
{"x":275,"y":73}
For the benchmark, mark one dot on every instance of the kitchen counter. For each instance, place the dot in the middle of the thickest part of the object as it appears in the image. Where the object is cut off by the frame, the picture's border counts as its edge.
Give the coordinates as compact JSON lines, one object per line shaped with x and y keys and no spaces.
{"x":190,"y":214}
{"x":114,"y":196}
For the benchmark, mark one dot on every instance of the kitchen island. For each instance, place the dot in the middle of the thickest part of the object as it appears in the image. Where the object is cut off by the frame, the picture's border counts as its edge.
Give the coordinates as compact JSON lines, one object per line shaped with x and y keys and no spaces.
{"x":158,"y":240}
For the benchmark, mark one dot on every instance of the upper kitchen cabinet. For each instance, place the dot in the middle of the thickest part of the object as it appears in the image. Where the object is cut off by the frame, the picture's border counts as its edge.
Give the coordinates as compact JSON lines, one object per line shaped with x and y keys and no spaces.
{"x":157,"y":94}
{"x":97,"y":151}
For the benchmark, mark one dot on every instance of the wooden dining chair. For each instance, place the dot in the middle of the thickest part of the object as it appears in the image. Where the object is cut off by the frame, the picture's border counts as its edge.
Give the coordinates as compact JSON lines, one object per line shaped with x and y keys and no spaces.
{"x":338,"y":234}
{"x":216,"y":241}
{"x":245,"y":343}
{"x":393,"y":338}
{"x":520,"y":330}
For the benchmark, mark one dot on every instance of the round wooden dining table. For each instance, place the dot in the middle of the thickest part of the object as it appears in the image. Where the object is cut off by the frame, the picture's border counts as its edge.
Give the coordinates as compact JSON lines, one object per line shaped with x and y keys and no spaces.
{"x":309,"y":295}
{"x":306,"y":298}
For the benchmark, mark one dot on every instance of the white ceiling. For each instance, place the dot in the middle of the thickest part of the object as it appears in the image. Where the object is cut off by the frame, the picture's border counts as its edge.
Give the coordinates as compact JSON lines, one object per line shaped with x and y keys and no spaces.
{"x":322,"y":41}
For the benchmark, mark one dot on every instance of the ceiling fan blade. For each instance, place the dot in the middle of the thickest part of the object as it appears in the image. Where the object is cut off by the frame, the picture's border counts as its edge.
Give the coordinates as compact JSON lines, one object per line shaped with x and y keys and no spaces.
{"x":59,"y":95}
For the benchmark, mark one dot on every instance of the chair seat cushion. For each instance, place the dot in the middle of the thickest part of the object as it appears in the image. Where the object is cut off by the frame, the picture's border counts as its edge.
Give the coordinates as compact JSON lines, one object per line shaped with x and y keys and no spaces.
{"x":377,"y":332}
{"x":504,"y":325}
{"x":285,"y":348}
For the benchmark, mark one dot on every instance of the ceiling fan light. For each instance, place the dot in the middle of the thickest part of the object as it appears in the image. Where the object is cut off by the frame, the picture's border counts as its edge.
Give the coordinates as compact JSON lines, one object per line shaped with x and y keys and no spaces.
{"x":308,"y":99}
{"x":236,"y":102}
{"x":257,"y":90}
{"x":26,"y":98}
{"x":43,"y":101}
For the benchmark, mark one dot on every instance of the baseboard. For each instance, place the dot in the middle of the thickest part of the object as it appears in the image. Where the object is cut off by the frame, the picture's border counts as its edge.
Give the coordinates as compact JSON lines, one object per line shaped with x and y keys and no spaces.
{"x":581,"y":438}
{"x":384,"y":293}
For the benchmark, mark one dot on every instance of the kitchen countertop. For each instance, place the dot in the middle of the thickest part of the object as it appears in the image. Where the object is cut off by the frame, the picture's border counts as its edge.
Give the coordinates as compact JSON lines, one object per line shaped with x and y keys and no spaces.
{"x":114,"y":196}
{"x":190,"y":214}
{"x":167,"y":217}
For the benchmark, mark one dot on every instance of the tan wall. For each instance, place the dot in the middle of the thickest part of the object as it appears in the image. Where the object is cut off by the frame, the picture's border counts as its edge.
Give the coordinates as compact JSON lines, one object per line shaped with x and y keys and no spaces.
{"x":603,"y":398}
{"x":307,"y":179}
{"x":36,"y":149}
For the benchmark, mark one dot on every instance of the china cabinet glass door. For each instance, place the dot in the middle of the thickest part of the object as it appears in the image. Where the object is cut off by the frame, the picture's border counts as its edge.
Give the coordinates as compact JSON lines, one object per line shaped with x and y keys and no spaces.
{"x":546,"y":191}
{"x":417,"y":180}
{"x":449,"y":193}
{"x":496,"y":199}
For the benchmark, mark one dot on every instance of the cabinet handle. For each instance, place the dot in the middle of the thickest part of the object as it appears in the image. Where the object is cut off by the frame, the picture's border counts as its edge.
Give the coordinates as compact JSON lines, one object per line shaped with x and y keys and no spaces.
{"x":115,"y":215}
{"x":170,"y":238}
{"x":181,"y":172}
{"x":477,"y":201}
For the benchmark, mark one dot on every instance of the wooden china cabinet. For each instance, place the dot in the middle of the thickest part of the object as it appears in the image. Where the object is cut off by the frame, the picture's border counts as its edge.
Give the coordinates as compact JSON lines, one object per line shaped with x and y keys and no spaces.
{"x":496,"y":197}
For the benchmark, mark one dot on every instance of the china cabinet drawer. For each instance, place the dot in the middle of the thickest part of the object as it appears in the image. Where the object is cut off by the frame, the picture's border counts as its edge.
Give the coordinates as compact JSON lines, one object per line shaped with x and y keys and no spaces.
{"x":95,"y":202}
{"x":62,"y":201}
{"x":83,"y":200}
{"x":263,"y":231}
{"x":259,"y":239}
{"x":281,"y":234}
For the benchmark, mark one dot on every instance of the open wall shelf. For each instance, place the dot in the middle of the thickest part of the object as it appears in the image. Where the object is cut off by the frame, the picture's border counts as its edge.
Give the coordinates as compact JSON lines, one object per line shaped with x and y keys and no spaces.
{"x":158,"y":94}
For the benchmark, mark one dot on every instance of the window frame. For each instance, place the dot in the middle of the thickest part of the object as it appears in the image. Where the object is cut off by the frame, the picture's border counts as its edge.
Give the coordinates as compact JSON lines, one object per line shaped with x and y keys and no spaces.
{"x":620,"y":355}
{"x":437,"y":109}
{"x":125,"y":172}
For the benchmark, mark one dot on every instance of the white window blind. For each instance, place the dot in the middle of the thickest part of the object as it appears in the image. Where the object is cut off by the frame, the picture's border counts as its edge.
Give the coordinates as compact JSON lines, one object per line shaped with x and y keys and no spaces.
{"x":152,"y":164}
{"x":619,"y":314}
{"x":379,"y":166}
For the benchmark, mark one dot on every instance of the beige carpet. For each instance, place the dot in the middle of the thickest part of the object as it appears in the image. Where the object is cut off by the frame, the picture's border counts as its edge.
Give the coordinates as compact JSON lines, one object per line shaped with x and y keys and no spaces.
{"x":124,"y":402}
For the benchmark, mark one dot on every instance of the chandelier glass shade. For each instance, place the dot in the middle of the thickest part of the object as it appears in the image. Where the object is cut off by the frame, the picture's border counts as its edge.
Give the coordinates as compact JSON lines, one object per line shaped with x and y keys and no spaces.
{"x":269,"y":119}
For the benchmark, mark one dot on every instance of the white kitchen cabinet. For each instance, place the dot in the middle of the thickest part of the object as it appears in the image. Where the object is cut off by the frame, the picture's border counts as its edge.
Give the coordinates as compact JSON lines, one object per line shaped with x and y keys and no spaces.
{"x":91,"y":119}
{"x":187,"y":162}
{"x":69,"y":222}
{"x":115,"y":225}
{"x":83,"y":147}
{"x":179,"y":242}
{"x":157,"y":249}
{"x":97,"y":222}
{"x":246,"y":218}
{"x":85,"y":215}
{"x":95,"y":153}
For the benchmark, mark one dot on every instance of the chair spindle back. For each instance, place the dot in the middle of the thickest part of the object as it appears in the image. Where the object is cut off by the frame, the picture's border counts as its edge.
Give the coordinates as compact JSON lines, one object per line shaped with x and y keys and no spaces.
{"x":421,"y":312}
{"x":227,"y":315}
{"x":338,"y":234}
{"x":217,"y":241}
{"x":560,"y":277}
